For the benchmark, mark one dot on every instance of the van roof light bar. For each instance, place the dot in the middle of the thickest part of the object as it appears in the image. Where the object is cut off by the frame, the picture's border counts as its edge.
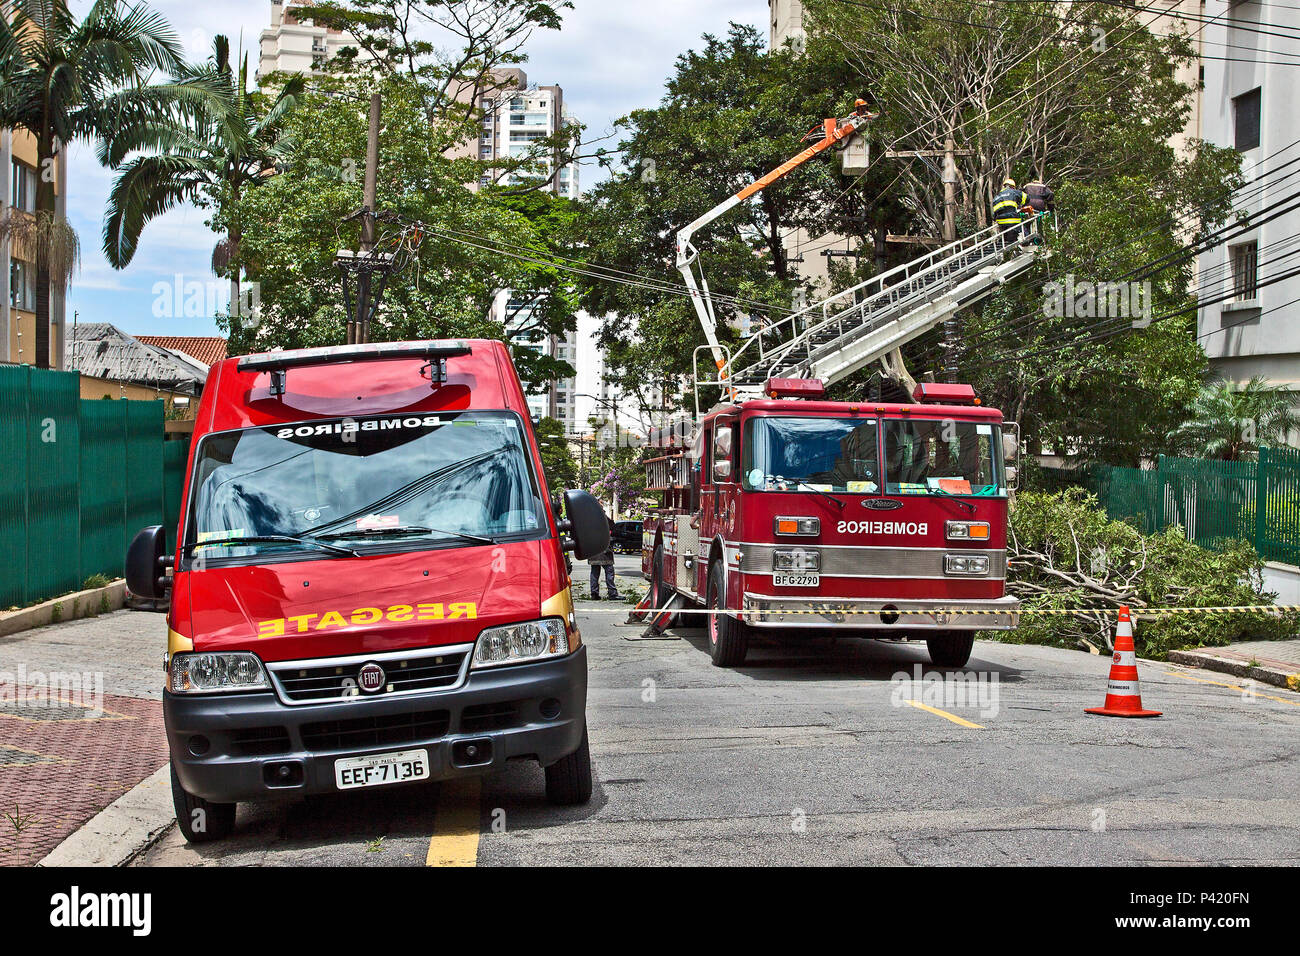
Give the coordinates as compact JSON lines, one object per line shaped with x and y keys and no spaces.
{"x":434,"y":351}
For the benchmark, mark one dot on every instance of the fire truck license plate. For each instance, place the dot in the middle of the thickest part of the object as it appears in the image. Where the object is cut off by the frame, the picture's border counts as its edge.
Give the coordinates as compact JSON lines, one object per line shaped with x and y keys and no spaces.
{"x":795,"y":579}
{"x":379,"y":769}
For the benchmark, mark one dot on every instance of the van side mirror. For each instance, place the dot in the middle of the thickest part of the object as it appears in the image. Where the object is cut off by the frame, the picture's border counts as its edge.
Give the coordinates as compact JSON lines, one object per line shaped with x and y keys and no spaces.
{"x":585,"y":525}
{"x":146,"y":564}
{"x":1011,"y":453}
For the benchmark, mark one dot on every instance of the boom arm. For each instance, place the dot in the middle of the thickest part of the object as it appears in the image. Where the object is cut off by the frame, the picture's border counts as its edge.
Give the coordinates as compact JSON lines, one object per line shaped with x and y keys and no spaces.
{"x":833,"y":131}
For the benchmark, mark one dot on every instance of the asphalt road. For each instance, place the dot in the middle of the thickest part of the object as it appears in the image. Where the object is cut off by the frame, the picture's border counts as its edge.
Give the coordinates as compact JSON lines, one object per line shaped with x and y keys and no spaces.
{"x":811,"y":754}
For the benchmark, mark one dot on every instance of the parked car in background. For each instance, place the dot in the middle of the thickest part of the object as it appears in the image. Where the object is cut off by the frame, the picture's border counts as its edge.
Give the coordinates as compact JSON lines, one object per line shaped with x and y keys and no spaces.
{"x":626,"y":537}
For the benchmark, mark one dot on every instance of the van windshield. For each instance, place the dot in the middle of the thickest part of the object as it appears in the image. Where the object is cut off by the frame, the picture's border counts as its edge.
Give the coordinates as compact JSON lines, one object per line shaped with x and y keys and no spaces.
{"x":363,"y":484}
{"x":828,"y":454}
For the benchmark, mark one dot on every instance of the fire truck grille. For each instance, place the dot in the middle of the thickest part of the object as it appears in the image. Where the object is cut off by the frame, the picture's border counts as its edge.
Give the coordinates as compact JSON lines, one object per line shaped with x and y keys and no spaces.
{"x":335,"y":681}
{"x":375,"y":731}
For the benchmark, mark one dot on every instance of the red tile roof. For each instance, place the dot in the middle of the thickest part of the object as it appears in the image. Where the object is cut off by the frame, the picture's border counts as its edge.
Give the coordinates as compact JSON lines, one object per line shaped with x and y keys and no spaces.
{"x":208,"y":349}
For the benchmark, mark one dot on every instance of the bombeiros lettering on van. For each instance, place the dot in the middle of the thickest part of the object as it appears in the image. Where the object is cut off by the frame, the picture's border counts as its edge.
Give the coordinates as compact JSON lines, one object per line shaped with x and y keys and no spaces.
{"x":362,"y":425}
{"x":914,"y":528}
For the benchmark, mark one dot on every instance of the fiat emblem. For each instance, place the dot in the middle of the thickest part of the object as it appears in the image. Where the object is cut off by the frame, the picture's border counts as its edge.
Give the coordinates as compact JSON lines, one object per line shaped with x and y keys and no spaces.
{"x":371,"y":678}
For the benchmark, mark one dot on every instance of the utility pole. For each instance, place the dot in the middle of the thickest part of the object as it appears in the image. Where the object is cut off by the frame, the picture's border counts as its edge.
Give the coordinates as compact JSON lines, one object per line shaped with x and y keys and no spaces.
{"x":366,"y":263}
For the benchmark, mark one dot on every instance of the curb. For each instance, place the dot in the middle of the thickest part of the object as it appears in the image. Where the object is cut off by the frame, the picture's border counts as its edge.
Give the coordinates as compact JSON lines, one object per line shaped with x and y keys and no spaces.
{"x":122,"y":830}
{"x":90,"y":603}
{"x":1235,"y":667}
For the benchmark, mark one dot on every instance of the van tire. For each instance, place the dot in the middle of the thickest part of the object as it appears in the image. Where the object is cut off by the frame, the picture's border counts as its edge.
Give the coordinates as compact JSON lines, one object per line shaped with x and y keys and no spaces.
{"x":951,"y":648}
{"x":728,"y":638}
{"x":218,"y":819}
{"x":568,"y":780}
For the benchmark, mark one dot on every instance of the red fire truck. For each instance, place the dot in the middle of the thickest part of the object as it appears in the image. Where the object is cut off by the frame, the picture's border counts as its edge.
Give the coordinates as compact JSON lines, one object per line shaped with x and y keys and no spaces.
{"x":369,"y":585}
{"x":873,"y":520}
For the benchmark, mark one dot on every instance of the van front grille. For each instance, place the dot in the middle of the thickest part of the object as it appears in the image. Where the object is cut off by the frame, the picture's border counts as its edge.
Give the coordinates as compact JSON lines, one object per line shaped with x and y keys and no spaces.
{"x":312,"y":682}
{"x":381,"y":731}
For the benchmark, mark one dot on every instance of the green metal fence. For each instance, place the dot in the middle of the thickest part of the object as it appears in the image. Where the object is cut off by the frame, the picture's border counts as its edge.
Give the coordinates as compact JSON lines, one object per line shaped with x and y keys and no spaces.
{"x":1213,"y":501}
{"x":77,"y":478}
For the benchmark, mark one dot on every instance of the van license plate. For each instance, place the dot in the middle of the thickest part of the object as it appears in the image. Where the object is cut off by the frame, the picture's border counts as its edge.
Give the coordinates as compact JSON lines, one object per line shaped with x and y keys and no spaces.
{"x":796,"y":580}
{"x":379,"y":769}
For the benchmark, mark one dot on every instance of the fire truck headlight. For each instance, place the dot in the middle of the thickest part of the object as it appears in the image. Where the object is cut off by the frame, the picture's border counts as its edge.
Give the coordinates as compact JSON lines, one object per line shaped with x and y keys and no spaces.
{"x":518,"y":643}
{"x":967,"y":530}
{"x":802,"y":527}
{"x":797,"y":559}
{"x":966,"y":564}
{"x":216,"y":673}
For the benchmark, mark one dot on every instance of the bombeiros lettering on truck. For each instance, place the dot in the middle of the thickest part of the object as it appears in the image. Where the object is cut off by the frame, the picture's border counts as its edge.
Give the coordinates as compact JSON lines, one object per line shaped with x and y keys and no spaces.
{"x":337,"y":615}
{"x":883,"y":527}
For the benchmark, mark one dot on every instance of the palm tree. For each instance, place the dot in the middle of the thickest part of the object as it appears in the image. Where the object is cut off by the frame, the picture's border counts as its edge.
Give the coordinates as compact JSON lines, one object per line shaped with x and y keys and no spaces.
{"x":1226,"y":421}
{"x":64,"y":80}
{"x":211,"y":152}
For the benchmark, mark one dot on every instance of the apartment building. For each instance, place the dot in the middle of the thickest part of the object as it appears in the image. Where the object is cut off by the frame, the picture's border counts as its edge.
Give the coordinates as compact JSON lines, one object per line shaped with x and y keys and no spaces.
{"x":515,"y":117}
{"x":19,"y":176}
{"x":294,"y":43}
{"x":1245,"y":322}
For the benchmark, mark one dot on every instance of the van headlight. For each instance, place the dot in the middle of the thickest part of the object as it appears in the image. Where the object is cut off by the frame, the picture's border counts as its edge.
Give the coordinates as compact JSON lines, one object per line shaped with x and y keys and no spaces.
{"x":216,"y":673}
{"x":517,"y":643}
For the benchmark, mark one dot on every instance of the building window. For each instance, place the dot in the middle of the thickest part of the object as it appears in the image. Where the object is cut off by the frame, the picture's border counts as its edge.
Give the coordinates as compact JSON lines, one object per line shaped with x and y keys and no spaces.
{"x":1245,"y":270}
{"x":1245,"y":115}
{"x":22,"y":285}
{"x":23,"y":183}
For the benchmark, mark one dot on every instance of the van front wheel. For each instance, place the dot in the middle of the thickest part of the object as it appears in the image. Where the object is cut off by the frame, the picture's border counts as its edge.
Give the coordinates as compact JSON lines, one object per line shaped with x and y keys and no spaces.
{"x":200,"y":820}
{"x":568,"y":780}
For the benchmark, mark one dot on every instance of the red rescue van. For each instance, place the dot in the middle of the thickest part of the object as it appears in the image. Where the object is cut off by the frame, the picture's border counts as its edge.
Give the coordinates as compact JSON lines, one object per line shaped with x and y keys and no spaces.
{"x":369,"y":584}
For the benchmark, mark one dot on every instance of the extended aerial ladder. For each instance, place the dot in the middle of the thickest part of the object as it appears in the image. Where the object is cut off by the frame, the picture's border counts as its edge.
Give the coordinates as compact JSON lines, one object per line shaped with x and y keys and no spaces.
{"x":830,"y":340}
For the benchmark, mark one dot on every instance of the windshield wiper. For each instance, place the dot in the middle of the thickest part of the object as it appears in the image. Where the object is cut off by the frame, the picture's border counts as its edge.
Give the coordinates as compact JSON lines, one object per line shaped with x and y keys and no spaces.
{"x":948,"y":494}
{"x":824,"y":494}
{"x":409,"y":529}
{"x":269,"y":539}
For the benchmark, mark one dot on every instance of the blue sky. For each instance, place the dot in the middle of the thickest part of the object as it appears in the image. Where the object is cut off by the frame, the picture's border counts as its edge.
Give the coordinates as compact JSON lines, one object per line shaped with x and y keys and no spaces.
{"x":611,"y":57}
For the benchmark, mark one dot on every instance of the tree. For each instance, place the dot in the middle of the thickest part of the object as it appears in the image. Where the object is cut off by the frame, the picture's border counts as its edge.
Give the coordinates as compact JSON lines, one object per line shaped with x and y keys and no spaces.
{"x":1084,"y":95}
{"x":557,"y":460}
{"x":210,"y":154}
{"x":1229,"y":421}
{"x":731,"y":112}
{"x":65,"y":80}
{"x":451,"y":271}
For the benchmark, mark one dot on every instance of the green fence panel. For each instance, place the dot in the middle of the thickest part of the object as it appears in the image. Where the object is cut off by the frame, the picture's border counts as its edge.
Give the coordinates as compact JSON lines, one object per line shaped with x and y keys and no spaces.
{"x":1278,"y":534}
{"x":103,"y":488}
{"x":14,"y":394}
{"x":53,"y":472}
{"x":175,"y":458}
{"x":144,"y":467}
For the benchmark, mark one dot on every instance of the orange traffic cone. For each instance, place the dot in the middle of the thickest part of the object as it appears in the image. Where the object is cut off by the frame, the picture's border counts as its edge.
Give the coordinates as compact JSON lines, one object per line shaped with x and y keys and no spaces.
{"x":1123,"y":698}
{"x":639,"y":612}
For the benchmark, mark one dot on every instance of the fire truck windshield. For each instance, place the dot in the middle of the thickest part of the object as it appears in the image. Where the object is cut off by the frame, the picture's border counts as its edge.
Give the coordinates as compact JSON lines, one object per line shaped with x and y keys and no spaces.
{"x":828,"y":454}
{"x":942,"y":457}
{"x":383,"y":483}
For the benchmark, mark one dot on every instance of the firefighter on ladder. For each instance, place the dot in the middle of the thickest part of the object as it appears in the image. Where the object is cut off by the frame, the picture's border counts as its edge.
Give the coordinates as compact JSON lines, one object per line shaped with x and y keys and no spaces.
{"x":1006,"y":209}
{"x":1042,"y":203}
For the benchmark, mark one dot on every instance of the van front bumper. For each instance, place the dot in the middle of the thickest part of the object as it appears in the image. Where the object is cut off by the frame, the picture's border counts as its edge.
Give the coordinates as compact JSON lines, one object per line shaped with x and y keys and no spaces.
{"x":882,"y":614}
{"x":524,"y":711}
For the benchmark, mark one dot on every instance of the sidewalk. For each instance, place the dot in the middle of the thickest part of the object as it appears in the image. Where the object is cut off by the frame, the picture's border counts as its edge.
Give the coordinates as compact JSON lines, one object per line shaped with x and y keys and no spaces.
{"x":80,"y":725}
{"x":1271,"y":662}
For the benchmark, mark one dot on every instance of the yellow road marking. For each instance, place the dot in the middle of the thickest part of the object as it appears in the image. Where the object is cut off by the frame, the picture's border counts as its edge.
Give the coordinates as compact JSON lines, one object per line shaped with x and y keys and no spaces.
{"x":456,"y":824}
{"x":1236,"y":687}
{"x":945,"y":715}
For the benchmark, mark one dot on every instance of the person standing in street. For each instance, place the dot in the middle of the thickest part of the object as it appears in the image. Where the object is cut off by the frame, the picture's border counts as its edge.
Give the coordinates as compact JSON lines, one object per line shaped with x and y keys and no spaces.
{"x":604,"y":560}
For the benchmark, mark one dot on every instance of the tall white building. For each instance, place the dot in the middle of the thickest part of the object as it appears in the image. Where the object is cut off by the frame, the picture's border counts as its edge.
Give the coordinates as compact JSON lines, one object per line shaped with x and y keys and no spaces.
{"x":294,"y":44}
{"x":1249,"y":102}
{"x":515,"y":117}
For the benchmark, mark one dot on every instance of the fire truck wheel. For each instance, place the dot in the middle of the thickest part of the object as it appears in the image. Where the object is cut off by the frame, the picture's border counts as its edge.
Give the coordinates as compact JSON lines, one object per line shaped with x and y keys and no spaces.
{"x":658,"y":593}
{"x":728,"y":638}
{"x":200,"y":820}
{"x":951,"y":649}
{"x":568,"y":780}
